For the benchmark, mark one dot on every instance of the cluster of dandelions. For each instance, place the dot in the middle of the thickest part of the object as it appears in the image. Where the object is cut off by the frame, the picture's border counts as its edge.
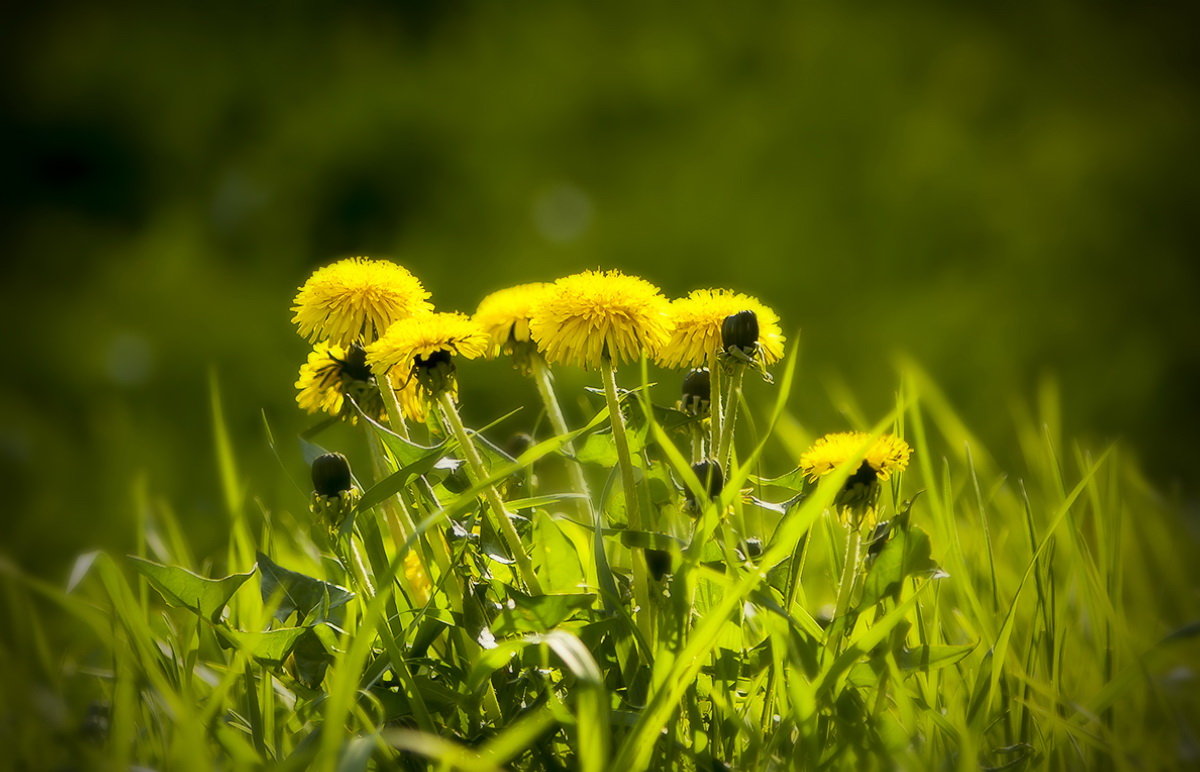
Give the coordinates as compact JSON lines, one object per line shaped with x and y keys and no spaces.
{"x":382,"y":351}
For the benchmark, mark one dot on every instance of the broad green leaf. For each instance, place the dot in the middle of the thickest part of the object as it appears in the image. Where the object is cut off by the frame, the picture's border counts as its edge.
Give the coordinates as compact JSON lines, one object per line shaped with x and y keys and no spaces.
{"x":271,"y":646}
{"x":538,"y":613}
{"x":792,"y":481}
{"x":554,"y":556}
{"x":311,"y":657}
{"x":180,"y":587}
{"x":598,"y":448}
{"x":906,"y":554}
{"x":297,"y":593}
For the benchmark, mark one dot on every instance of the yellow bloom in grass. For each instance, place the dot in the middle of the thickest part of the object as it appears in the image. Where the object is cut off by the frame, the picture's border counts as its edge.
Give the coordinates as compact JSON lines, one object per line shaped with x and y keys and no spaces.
{"x":698,"y":319}
{"x":422,"y":349}
{"x":504,"y":315}
{"x":590,"y":316}
{"x":356,"y":299}
{"x":885,"y":456}
{"x":418,"y":580}
{"x":332,"y":372}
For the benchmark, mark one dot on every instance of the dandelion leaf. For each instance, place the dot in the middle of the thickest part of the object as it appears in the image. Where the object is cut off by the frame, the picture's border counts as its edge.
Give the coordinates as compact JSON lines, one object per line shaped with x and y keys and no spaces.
{"x":906,"y":554}
{"x":538,"y":613}
{"x":312,"y":600}
{"x":180,"y":587}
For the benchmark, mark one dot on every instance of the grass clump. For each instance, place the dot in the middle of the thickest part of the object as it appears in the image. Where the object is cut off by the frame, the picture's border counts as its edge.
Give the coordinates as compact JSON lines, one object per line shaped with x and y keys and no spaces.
{"x":651,"y":583}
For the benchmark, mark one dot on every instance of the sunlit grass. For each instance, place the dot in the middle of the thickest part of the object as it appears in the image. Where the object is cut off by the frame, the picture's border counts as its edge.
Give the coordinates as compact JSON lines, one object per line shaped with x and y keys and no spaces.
{"x":1035,"y":617}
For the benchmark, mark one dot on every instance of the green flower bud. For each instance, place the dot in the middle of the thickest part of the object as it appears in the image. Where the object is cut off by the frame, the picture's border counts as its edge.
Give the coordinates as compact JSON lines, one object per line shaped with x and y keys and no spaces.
{"x":331,"y":474}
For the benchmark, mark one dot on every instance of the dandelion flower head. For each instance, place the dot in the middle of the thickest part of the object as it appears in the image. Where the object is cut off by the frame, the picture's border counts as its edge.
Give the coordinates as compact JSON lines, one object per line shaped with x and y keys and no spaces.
{"x":413,"y":346}
{"x":886,"y":454}
{"x":698,"y":319}
{"x":356,"y":299}
{"x":332,"y":372}
{"x":590,"y":316}
{"x":504,"y":315}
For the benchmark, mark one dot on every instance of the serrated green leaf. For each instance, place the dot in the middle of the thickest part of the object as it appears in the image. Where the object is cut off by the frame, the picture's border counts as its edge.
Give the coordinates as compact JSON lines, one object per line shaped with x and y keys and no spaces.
{"x":311,"y":657}
{"x":792,"y":481}
{"x":270,"y":646}
{"x":297,"y":593}
{"x":180,"y":587}
{"x":554,"y":556}
{"x":906,"y":554}
{"x":539,"y":613}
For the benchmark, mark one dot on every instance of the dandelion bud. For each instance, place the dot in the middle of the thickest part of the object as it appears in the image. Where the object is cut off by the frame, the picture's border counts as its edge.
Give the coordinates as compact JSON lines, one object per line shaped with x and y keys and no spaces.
{"x":708,"y":472}
{"x":739,"y":333}
{"x":659,"y":563}
{"x":334,"y":495}
{"x":331,"y":474}
{"x":697,"y":392}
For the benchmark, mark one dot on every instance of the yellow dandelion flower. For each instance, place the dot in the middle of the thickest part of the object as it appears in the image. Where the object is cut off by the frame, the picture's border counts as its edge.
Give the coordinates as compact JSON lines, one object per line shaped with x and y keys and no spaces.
{"x":504,"y":315}
{"x":423,"y":347}
{"x":418,"y":579}
{"x":594,"y":315}
{"x":698,"y":320}
{"x":356,"y":299}
{"x":885,"y":456}
{"x":332,"y":372}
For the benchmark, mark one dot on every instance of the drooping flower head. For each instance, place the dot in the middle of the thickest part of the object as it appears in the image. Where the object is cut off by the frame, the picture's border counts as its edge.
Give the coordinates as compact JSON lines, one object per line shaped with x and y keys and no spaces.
{"x":504,"y":315}
{"x":422,"y":348}
{"x":596,"y":315}
{"x":699,"y":319}
{"x":356,"y":299}
{"x":332,"y":372}
{"x":885,"y":456}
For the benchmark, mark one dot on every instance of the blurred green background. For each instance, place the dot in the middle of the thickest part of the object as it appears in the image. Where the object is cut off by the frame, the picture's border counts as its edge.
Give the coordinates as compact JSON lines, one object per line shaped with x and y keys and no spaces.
{"x":1005,"y":191}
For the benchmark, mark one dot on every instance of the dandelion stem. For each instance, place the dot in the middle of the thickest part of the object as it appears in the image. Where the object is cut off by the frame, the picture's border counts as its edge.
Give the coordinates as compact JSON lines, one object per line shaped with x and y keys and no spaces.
{"x":729,"y":416}
{"x":501,"y":518}
{"x":392,"y":406}
{"x":846,"y":588}
{"x":641,"y":580}
{"x":545,"y":384}
{"x":714,"y":375}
